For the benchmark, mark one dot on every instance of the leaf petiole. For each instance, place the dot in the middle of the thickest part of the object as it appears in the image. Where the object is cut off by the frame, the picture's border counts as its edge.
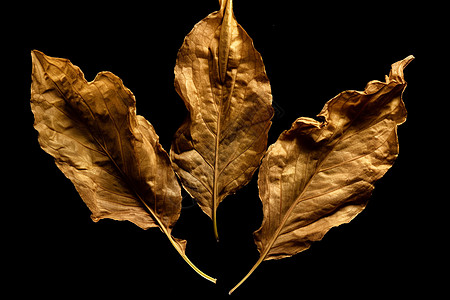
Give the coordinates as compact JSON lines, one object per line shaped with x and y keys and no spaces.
{"x":186,"y":259}
{"x":176,"y":246}
{"x":261,"y":258}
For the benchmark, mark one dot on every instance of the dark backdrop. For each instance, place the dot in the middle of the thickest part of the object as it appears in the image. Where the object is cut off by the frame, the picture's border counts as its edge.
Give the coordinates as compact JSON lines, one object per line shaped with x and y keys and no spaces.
{"x":312,"y":51}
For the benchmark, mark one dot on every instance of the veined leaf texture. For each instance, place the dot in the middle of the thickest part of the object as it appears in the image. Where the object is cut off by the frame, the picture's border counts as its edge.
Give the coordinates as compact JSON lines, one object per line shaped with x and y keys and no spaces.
{"x":318,"y":174}
{"x":222,"y":80}
{"x":111,"y":155}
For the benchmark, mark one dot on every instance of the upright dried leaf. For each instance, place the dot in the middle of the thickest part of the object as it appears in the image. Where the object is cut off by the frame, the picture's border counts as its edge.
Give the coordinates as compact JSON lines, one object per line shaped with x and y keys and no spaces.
{"x":222,"y":81}
{"x":320,"y":174}
{"x":111,"y":155}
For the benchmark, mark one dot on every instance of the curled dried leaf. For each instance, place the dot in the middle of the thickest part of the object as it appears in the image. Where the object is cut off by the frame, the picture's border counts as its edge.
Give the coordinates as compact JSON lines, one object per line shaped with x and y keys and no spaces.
{"x":111,"y":155}
{"x":320,"y":174}
{"x":222,"y":80}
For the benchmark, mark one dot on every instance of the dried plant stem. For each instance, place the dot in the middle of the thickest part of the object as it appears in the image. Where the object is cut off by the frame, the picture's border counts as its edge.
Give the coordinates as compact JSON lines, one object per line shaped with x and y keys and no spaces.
{"x":214,"y":219}
{"x":216,"y":175}
{"x":260,"y":260}
{"x":176,"y":246}
{"x":186,"y":259}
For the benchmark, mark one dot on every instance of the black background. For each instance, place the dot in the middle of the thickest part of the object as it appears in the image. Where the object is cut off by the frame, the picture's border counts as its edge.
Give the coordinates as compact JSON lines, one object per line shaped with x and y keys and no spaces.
{"x":312,"y":51}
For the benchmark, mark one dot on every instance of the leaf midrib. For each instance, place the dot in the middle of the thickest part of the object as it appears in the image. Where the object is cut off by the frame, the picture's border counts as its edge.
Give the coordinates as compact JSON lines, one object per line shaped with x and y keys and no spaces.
{"x":318,"y":170}
{"x":103,"y":148}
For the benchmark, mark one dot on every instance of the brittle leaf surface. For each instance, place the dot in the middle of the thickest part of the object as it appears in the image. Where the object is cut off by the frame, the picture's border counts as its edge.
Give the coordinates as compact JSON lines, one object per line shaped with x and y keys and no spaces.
{"x":222,"y":80}
{"x":111,"y":155}
{"x":320,"y":174}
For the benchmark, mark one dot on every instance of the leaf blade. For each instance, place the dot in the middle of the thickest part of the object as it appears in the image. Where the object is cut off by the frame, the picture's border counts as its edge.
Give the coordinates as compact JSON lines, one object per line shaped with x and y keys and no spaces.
{"x":221,"y":78}
{"x":320,"y":174}
{"x":111,"y":155}
{"x":354,"y":146}
{"x":58,"y":125}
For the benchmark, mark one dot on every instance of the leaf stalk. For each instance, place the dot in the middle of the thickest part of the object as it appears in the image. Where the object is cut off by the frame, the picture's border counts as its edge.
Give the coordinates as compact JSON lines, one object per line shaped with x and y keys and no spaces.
{"x":176,"y":246}
{"x":187,"y":260}
{"x":261,"y":258}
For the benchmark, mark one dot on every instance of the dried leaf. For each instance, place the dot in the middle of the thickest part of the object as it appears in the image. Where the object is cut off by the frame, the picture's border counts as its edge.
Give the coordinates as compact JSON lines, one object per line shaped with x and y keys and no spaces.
{"x":222,"y":81}
{"x":320,"y":174}
{"x":111,"y":155}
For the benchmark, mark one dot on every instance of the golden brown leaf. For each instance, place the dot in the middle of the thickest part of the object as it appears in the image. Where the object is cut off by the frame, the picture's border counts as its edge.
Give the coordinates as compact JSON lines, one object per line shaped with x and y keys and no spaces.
{"x":111,"y":155}
{"x":222,"y":81}
{"x":320,"y":174}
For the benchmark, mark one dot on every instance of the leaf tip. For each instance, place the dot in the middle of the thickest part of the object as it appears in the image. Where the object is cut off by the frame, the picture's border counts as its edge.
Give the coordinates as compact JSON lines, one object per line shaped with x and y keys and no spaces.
{"x":396,"y":73}
{"x":38,"y":59}
{"x":409,"y":58}
{"x":225,"y":37}
{"x":35,"y":54}
{"x":223,"y":4}
{"x":404,"y":62}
